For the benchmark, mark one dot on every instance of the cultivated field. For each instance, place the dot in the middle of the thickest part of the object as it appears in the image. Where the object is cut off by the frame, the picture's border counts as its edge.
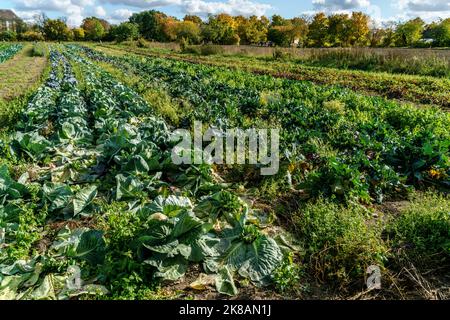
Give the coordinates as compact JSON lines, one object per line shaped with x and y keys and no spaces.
{"x":92,"y":205}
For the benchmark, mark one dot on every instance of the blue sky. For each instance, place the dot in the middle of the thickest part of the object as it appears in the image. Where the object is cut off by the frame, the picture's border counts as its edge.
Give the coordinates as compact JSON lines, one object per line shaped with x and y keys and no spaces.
{"x":119,"y":10}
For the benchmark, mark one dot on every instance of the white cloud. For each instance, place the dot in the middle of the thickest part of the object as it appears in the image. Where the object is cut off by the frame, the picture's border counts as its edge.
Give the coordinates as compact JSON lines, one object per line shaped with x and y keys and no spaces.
{"x":428,"y":10}
{"x":425,"y":5}
{"x":100,"y":12}
{"x":201,"y":7}
{"x":77,"y":10}
{"x":42,"y":5}
{"x":74,"y":15}
{"x":73,"y":9}
{"x":339,"y":5}
{"x":120,"y":15}
{"x":233,"y":7}
{"x":27,"y":16}
{"x":145,"y":3}
{"x":83,"y":3}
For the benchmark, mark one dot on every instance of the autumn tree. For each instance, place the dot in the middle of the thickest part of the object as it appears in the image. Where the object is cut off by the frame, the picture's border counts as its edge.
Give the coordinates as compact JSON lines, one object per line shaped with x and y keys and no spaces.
{"x":278,"y":21}
{"x":318,"y":31}
{"x":376,"y":37}
{"x":389,"y":37}
{"x":125,"y":31}
{"x":151,"y":24}
{"x":299,"y":31}
{"x":410,"y":32}
{"x":169,"y":28}
{"x":188,"y":31}
{"x":279,"y":31}
{"x":252,"y":30}
{"x":56,"y":30}
{"x":359,"y":29}
{"x":221,"y":29}
{"x":193,"y":18}
{"x":280,"y":35}
{"x":106,"y":25}
{"x":78,"y":34}
{"x":339,"y":29}
{"x":440,"y":33}
{"x":94,"y":28}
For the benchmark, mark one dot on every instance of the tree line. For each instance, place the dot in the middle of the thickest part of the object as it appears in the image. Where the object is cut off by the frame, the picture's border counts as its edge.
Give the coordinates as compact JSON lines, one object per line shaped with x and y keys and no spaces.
{"x":320,"y":30}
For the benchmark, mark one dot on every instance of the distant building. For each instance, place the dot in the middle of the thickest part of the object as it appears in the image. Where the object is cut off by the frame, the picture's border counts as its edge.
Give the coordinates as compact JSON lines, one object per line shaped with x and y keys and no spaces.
{"x":427,"y":40}
{"x":9,"y":21}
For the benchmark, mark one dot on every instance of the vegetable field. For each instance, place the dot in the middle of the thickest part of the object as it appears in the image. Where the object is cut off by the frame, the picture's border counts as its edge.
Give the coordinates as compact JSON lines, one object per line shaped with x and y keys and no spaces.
{"x":93,"y":207}
{"x":8,"y":51}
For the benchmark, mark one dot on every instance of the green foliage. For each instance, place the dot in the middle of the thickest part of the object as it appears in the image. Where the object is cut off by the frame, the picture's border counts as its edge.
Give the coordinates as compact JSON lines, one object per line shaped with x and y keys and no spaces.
{"x":94,"y":28}
{"x":142,"y":43}
{"x":339,"y":30}
{"x":339,"y":241}
{"x":252,"y":30}
{"x":318,"y":31}
{"x":56,"y":30}
{"x":150,"y":24}
{"x":392,"y":61}
{"x":282,"y":55}
{"x":32,"y":36}
{"x":9,"y":51}
{"x":423,"y":227}
{"x":440,"y":32}
{"x":78,"y":34}
{"x":8,"y":36}
{"x":191,"y":50}
{"x":164,"y":105}
{"x":280,"y":35}
{"x":125,"y":32}
{"x":39,"y":50}
{"x":368,"y":166}
{"x":187,"y":31}
{"x":149,"y":233}
{"x":82,"y":244}
{"x":220,"y":29}
{"x":410,"y":32}
{"x":287,"y":276}
{"x":208,"y":50}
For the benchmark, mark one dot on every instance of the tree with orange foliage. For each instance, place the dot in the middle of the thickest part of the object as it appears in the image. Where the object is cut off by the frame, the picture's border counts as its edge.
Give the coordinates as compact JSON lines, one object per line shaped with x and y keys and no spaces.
{"x":221,"y":29}
{"x":95,"y":28}
{"x":359,"y":29}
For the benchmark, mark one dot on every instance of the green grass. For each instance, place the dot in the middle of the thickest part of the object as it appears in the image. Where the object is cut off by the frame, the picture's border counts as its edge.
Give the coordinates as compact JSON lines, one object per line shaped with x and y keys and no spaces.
{"x":339,"y":242}
{"x":422,"y":229}
{"x":39,"y":50}
{"x":391,"y":61}
{"x":19,"y":78}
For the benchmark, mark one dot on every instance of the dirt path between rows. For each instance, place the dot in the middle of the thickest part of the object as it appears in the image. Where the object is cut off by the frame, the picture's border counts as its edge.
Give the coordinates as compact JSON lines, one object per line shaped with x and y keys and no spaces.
{"x":21,"y":72}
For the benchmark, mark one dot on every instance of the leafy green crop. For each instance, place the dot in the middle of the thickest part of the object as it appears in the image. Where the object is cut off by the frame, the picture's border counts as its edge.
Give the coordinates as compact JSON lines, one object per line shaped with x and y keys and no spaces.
{"x":93,"y":141}
{"x":8,"y":51}
{"x":375,"y":148}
